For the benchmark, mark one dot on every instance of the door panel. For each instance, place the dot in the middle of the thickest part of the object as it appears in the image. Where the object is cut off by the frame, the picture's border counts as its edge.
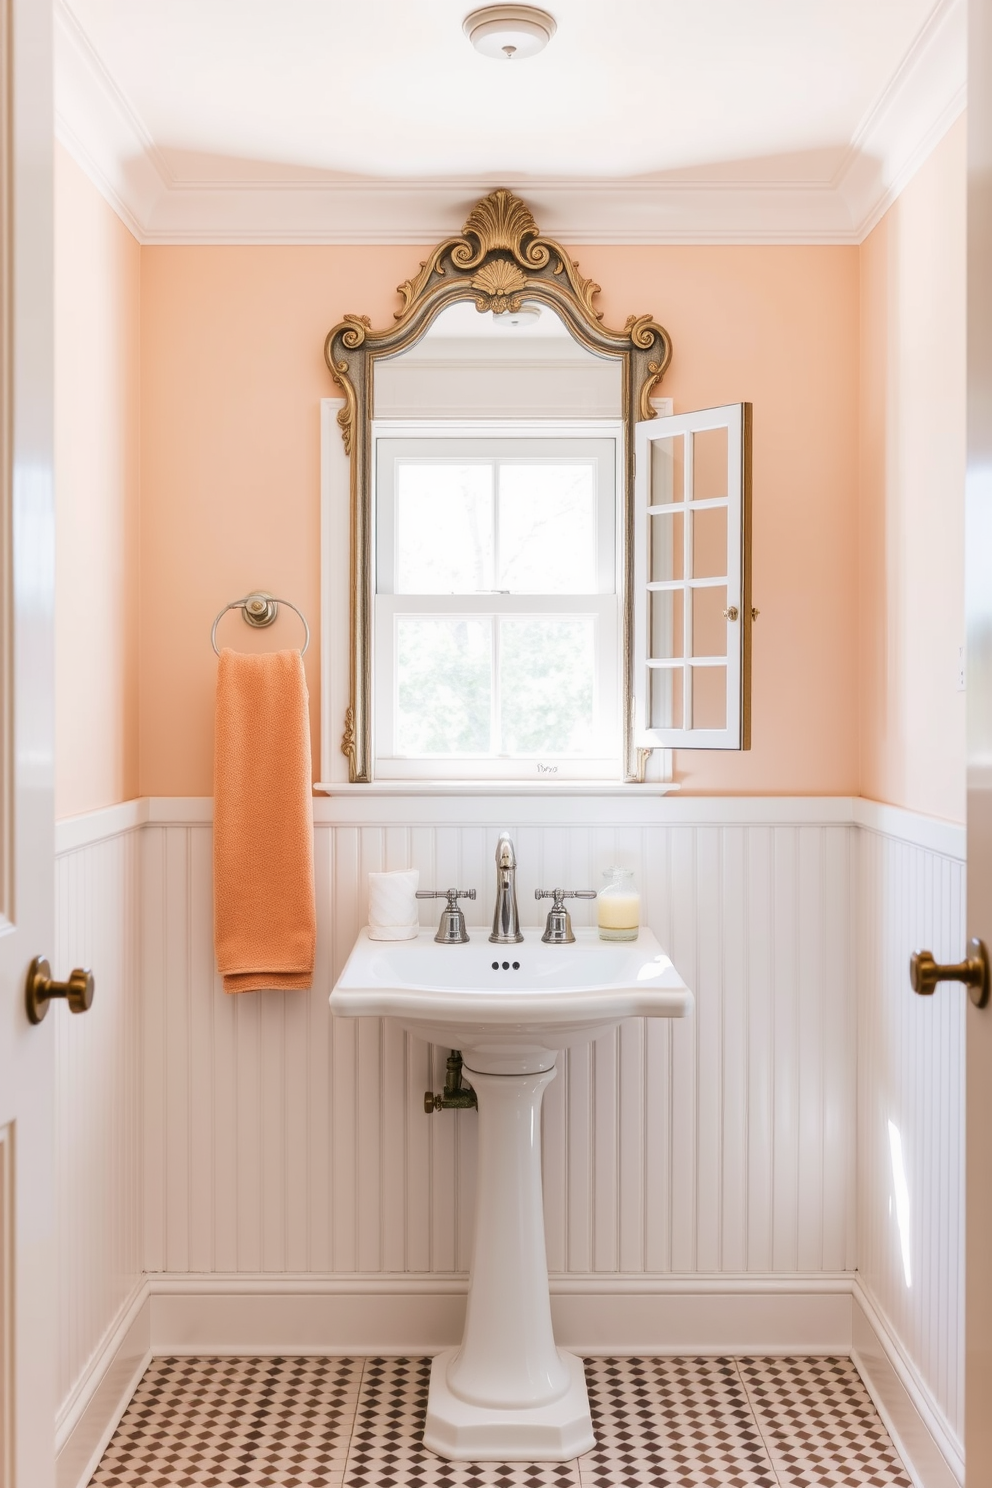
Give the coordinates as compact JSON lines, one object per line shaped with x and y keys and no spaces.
{"x":978,"y":587}
{"x":27,"y":1367}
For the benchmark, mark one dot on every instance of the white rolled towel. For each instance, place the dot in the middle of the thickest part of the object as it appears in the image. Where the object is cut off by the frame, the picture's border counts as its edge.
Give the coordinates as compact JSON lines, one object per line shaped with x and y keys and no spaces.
{"x":393,"y":912}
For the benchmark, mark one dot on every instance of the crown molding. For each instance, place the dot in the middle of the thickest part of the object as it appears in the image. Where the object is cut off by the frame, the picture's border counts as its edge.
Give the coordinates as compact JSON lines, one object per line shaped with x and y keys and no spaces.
{"x":100,"y":129}
{"x":924,"y":97}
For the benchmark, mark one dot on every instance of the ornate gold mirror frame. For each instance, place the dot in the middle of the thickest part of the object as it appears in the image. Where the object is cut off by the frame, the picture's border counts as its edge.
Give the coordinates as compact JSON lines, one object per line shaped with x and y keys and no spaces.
{"x":499,"y":260}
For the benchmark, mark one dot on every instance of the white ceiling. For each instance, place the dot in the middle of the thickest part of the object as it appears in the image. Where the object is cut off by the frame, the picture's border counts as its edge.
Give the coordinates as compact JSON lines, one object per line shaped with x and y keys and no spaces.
{"x":643,"y":120}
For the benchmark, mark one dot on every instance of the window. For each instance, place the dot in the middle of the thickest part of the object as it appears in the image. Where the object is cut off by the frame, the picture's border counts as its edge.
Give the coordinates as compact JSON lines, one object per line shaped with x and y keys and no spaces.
{"x":496,"y":634}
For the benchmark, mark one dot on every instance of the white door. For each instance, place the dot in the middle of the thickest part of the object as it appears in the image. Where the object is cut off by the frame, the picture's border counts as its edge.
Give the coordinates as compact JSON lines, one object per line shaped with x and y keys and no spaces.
{"x":27,"y":1253}
{"x":978,"y":566}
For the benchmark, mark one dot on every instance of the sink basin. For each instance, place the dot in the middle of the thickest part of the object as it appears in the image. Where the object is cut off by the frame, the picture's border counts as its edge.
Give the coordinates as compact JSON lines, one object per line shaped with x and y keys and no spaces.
{"x":510,"y":1008}
{"x":509,"y":1394}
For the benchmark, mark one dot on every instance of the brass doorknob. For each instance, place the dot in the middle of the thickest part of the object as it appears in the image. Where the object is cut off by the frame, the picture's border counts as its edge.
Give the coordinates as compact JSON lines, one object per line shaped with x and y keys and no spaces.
{"x":925,"y":972}
{"x":77,"y":991}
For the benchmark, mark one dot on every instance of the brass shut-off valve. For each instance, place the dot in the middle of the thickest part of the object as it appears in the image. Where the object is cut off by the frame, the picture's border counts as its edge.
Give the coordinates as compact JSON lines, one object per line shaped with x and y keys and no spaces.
{"x":456,"y":1096}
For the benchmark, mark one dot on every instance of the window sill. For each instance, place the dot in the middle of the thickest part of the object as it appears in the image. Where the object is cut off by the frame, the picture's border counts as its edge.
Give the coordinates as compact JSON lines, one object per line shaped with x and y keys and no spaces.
{"x":498,"y":788}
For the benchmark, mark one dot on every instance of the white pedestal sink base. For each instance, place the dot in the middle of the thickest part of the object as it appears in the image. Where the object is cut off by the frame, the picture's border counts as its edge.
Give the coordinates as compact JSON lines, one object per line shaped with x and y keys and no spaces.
{"x":508,"y":1394}
{"x":477,"y":1433}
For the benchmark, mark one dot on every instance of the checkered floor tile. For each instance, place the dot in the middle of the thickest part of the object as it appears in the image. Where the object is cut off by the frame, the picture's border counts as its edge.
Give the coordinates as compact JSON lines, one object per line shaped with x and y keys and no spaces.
{"x":235,"y":1423}
{"x":819,"y":1424}
{"x":349,"y":1423}
{"x":386,"y":1449}
{"x":672,"y":1421}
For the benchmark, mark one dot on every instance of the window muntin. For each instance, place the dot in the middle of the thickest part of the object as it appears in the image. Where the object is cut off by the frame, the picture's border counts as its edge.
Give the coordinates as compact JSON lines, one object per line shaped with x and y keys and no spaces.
{"x":496,"y":610}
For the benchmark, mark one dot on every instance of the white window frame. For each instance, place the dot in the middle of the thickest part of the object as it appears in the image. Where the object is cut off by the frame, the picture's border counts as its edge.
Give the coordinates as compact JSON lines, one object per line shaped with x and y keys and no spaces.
{"x":735,"y":418}
{"x":606,"y":607}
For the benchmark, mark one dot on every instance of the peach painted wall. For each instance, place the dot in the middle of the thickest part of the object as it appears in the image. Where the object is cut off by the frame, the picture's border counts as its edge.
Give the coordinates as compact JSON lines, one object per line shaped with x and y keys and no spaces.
{"x":232,"y":373}
{"x":97,"y":278}
{"x":912,"y":482}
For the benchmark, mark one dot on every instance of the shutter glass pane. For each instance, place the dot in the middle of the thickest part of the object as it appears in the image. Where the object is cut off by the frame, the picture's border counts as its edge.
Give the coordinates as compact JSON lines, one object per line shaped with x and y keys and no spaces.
{"x":444,"y":686}
{"x":665,"y":702}
{"x":709,"y":464}
{"x":444,"y":527}
{"x":667,"y":607}
{"x":667,"y":556}
{"x":547,"y":528}
{"x":709,"y":543}
{"x":547,"y":674}
{"x":667,"y":470}
{"x":709,"y":624}
{"x":709,"y":697}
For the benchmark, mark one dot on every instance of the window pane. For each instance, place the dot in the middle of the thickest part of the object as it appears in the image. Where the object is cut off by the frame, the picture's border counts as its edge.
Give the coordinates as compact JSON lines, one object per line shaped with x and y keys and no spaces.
{"x":667,"y":470}
{"x":665,"y":697}
{"x":547,"y":671}
{"x":444,"y":686}
{"x":667,"y":635}
{"x":709,"y":697}
{"x":709,"y":543}
{"x":444,"y":528}
{"x":667,"y":548}
{"x":547,"y":528}
{"x":709,"y":464}
{"x":709,"y":623}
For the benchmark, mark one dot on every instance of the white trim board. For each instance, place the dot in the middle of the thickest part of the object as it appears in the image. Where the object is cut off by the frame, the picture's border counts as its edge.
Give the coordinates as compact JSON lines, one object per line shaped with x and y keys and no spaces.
{"x":923,"y":1437}
{"x":73,"y":832}
{"x":361,"y":805}
{"x":98,"y":126}
{"x":411,"y":1314}
{"x":90,"y":1416}
{"x":931,"y":832}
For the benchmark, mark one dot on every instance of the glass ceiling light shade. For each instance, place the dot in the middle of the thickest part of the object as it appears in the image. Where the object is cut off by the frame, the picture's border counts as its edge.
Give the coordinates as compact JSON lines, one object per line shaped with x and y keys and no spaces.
{"x":509,"y":32}
{"x":523,"y":318}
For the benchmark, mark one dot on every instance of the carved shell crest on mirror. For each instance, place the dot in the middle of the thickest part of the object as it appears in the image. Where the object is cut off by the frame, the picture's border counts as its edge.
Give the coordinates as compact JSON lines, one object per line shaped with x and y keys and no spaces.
{"x":498,"y":260}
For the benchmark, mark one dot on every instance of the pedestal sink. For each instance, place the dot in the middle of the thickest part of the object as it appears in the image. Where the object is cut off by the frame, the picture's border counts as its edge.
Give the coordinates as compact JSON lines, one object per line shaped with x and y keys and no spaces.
{"x":508,"y":1393}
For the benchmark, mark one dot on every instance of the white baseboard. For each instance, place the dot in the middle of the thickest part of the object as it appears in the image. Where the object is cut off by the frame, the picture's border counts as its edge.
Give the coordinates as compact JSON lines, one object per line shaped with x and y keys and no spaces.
{"x":90,"y":1416}
{"x":924,"y":1439}
{"x":421,"y":1315}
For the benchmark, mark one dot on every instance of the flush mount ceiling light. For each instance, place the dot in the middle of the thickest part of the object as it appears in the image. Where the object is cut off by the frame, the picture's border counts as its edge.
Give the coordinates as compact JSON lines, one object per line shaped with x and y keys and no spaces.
{"x":509,"y":32}
{"x":525,"y":317}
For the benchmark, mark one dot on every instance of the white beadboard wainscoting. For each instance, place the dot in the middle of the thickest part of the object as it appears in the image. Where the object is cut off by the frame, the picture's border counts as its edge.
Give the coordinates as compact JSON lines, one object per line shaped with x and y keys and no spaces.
{"x":721,"y":1184}
{"x":911,"y":1113}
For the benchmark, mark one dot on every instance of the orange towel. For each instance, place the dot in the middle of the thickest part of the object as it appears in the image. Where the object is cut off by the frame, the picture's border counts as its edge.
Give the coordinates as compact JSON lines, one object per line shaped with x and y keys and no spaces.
{"x":264,"y":916}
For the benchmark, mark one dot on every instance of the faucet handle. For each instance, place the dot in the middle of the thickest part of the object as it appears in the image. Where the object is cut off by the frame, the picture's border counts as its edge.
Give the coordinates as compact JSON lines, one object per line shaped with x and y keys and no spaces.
{"x":450,"y":894}
{"x":451,"y":930}
{"x":558,"y":930}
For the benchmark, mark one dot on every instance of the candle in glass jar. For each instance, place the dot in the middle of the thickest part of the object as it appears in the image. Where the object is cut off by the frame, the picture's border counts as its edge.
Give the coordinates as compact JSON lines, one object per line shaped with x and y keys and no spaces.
{"x":618,"y":905}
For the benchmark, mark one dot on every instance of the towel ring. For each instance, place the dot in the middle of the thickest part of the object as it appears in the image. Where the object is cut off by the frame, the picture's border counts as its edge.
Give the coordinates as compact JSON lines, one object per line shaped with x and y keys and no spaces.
{"x":259,"y":609}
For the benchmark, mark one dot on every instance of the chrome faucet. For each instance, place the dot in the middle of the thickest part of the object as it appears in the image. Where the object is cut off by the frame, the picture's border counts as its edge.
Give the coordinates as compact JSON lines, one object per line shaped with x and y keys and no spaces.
{"x":506,"y":922}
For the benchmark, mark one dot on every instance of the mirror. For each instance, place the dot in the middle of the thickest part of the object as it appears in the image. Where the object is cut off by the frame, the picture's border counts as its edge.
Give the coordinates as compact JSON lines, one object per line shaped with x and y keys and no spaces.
{"x":498,"y":322}
{"x":522,"y":364}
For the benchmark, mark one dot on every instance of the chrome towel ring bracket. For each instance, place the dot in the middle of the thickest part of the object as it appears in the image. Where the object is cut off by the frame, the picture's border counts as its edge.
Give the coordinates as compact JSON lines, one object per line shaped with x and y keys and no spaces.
{"x":260,"y":609}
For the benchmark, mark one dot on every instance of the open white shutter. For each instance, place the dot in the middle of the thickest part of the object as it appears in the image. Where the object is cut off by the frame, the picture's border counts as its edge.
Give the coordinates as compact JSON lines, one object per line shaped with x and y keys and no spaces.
{"x":692,"y":580}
